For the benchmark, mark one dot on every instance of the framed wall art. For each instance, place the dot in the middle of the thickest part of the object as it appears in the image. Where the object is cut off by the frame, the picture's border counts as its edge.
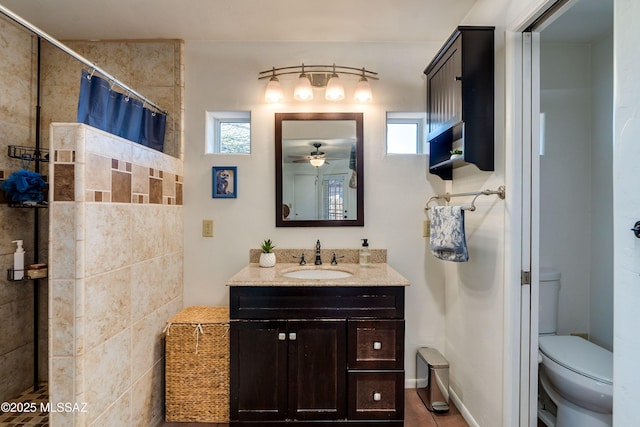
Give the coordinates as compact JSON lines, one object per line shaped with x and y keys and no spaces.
{"x":225,"y":182}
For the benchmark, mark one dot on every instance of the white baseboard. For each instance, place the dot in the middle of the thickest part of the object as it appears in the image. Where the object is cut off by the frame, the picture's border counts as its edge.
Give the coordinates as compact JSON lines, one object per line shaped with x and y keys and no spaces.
{"x":411,"y":383}
{"x":463,"y":409}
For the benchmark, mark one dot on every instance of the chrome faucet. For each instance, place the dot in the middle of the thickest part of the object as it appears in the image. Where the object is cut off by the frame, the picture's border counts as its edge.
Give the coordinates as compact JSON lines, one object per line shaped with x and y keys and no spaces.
{"x":318,"y":259}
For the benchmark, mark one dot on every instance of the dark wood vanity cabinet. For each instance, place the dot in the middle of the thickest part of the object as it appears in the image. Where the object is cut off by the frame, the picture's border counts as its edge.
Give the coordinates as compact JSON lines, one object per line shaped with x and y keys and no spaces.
{"x":314,"y":355}
{"x":460,"y":102}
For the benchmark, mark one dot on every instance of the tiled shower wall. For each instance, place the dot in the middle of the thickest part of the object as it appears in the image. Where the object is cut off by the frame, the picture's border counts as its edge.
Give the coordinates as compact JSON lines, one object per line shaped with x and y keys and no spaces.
{"x":17,"y":120}
{"x":116,"y":268}
{"x":153,"y":68}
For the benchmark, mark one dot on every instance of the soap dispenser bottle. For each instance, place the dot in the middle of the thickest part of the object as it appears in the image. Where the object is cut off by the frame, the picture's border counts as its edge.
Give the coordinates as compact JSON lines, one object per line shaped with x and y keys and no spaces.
{"x":365,"y":254}
{"x":18,"y":261}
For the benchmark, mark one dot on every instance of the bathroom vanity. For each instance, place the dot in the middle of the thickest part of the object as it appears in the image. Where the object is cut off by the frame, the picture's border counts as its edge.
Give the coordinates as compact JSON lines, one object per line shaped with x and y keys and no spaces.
{"x":310,"y":351}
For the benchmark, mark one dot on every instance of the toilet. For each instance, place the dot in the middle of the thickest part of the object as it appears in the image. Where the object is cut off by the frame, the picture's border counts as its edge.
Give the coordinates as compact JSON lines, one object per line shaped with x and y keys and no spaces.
{"x":575,"y":374}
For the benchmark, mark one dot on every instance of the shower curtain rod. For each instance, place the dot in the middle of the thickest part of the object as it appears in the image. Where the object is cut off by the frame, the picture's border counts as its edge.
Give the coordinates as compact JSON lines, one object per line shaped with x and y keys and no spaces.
{"x":500,"y":192}
{"x":35,"y":30}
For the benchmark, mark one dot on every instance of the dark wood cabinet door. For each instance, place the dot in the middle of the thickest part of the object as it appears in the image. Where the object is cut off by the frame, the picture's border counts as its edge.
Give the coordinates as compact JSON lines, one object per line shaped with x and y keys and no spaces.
{"x":444,"y":91}
{"x":258,"y":370}
{"x":317,"y":370}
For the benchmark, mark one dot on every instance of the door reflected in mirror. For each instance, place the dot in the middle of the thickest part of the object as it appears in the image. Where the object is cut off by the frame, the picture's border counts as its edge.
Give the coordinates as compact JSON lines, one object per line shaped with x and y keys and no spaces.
{"x":319,"y":169}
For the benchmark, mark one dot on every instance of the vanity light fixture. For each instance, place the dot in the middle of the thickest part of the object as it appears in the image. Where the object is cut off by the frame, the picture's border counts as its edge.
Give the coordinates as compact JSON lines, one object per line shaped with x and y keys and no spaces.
{"x":334,"y":90}
{"x":318,"y":76}
{"x":363,"y":89}
{"x":274,"y":93}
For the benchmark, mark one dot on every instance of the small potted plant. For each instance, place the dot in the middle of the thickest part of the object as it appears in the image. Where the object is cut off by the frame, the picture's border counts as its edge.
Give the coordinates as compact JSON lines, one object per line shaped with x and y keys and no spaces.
{"x":267,"y":257}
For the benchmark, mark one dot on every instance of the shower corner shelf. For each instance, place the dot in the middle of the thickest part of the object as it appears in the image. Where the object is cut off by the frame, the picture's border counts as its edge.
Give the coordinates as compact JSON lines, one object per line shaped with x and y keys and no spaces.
{"x":11,"y":275}
{"x":29,"y":205}
{"x":28,"y":153}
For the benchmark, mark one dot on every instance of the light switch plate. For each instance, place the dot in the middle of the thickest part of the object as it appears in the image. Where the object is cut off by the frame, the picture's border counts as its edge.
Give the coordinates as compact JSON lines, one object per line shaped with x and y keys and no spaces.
{"x":207,"y":228}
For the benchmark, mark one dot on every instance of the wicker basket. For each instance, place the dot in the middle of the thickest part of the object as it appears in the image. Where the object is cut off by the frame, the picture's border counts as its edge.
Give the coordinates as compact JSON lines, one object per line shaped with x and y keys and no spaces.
{"x":197,"y":365}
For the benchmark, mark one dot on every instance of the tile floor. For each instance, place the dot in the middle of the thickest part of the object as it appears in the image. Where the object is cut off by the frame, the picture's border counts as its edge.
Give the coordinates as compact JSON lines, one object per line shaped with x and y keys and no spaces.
{"x":23,"y":405}
{"x":415,"y":415}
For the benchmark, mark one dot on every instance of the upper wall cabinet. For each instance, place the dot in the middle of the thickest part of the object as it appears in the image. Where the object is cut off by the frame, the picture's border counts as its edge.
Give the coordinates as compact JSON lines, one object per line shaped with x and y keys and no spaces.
{"x":460,"y":102}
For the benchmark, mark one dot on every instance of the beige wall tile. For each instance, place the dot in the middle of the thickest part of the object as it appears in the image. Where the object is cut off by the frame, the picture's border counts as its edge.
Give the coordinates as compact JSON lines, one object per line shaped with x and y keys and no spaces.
{"x":61,"y":389}
{"x":99,"y":177}
{"x":107,"y":306}
{"x":147,"y":398}
{"x":147,"y":349}
{"x":139,"y":179}
{"x":61,"y":331}
{"x":148,"y":232}
{"x":108,"y":245}
{"x":173,"y":229}
{"x":147,"y":292}
{"x":168,"y":185}
{"x":62,"y":242}
{"x":118,"y":415}
{"x":107,"y":374}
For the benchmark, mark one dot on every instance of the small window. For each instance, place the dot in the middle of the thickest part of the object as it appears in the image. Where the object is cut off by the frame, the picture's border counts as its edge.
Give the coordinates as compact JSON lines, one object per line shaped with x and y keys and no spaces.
{"x":229,"y":132}
{"x":405,"y":133}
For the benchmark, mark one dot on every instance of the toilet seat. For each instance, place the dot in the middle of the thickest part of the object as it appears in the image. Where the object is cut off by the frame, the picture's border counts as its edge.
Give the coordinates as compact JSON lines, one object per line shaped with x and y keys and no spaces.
{"x":579,"y":356}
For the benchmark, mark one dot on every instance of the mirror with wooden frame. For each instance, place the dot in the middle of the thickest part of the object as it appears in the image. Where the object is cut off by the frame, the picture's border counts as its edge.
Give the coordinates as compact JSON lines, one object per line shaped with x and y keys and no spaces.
{"x":319,"y":169}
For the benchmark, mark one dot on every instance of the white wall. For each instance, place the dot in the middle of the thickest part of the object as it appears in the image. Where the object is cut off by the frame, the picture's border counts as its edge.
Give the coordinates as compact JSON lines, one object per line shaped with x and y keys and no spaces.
{"x":565,"y":177}
{"x":223,"y":76}
{"x":576,"y":183}
{"x":601,"y":296}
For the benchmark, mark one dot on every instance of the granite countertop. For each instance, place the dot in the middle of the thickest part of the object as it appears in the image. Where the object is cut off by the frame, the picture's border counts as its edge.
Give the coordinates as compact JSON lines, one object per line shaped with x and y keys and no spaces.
{"x":375,"y":274}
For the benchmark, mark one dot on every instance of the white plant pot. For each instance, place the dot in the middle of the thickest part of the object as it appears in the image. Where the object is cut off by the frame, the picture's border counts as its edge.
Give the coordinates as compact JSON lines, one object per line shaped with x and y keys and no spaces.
{"x":267,"y":260}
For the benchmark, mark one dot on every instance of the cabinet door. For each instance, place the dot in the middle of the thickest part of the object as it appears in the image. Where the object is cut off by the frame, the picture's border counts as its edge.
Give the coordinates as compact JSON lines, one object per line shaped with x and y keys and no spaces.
{"x":258,"y":386}
{"x":317,"y":370}
{"x":444,"y":91}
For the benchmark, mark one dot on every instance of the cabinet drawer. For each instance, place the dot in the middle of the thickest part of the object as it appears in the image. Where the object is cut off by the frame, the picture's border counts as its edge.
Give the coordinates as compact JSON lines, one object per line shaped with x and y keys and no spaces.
{"x":376,"y":395}
{"x":376,"y":344}
{"x":316,"y":302}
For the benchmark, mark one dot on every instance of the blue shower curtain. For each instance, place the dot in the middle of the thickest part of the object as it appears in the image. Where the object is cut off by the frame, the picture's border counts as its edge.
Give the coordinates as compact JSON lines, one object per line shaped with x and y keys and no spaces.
{"x":114,"y":112}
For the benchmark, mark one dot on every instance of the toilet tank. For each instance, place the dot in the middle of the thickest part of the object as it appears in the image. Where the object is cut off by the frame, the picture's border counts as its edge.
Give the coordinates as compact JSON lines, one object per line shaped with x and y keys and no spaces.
{"x":548,"y":301}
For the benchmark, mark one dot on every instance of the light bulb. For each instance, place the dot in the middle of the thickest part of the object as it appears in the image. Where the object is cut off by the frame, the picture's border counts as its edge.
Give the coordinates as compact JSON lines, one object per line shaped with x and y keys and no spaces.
{"x":303,"y":90}
{"x":334,"y":90}
{"x":273,"y":93}
{"x":363,"y":91}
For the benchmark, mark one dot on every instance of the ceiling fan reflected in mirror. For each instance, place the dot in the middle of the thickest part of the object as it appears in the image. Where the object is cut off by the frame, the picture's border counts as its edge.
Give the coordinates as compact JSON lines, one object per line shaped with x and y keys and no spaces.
{"x":316,"y":158}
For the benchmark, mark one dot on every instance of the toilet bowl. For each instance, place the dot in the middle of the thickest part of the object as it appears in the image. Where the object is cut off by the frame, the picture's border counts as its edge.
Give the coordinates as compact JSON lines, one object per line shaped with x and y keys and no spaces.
{"x":576,"y":374}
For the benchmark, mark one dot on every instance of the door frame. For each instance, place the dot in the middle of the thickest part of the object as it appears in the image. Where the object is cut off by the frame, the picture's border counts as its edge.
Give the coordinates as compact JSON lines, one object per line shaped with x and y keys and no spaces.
{"x":522,"y":50}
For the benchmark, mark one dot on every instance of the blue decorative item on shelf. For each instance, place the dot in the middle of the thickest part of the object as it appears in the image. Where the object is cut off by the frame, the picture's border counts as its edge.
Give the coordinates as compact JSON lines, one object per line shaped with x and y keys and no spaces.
{"x":25,"y":187}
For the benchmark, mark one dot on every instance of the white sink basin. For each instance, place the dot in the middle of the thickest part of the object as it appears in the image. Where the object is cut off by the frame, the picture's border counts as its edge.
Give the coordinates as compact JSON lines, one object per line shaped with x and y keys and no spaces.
{"x":317,"y":274}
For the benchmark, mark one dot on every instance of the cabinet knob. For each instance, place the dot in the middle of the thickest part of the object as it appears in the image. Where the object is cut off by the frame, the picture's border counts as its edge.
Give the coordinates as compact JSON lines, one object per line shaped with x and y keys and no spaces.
{"x":377,"y":345}
{"x":282,"y":336}
{"x":636,"y":229}
{"x":458,"y":78}
{"x":377,"y":397}
{"x":292,"y":336}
